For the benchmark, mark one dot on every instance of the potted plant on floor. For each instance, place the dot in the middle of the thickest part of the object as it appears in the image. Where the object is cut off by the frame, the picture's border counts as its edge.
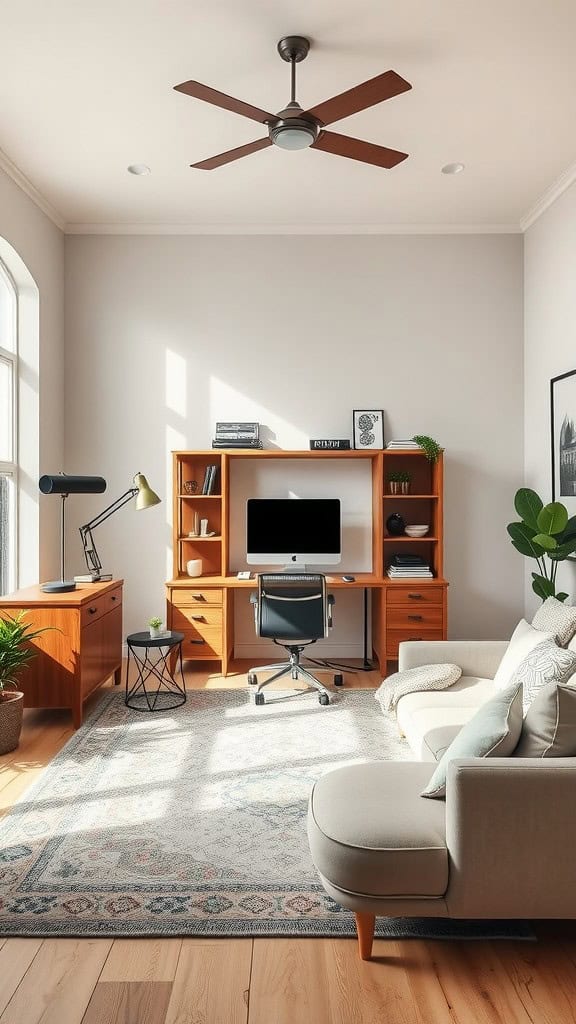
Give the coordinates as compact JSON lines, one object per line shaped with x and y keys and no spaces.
{"x":546,"y":534}
{"x":15,"y":653}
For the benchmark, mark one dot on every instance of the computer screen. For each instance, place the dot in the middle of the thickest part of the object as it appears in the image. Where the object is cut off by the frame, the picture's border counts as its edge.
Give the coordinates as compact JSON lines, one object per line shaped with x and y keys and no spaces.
{"x":293,"y":530}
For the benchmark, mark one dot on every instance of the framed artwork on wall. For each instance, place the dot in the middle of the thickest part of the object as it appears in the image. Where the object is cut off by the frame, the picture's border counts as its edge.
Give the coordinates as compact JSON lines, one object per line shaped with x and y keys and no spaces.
{"x":368,"y":428}
{"x":563,"y":439}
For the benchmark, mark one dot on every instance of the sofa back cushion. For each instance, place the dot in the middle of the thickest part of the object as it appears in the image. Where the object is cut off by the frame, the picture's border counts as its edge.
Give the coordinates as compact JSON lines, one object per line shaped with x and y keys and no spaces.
{"x":546,"y":663}
{"x":556,"y":618}
{"x":549,"y":728}
{"x":523,"y":640}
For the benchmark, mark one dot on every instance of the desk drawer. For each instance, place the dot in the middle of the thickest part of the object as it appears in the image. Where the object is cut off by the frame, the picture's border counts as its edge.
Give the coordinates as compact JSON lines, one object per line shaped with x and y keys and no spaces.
{"x":199,"y":617}
{"x":397,"y":636}
{"x":100,"y":606}
{"x":414,"y":595}
{"x":202,"y":644}
{"x":196,"y":596}
{"x":421,"y":617}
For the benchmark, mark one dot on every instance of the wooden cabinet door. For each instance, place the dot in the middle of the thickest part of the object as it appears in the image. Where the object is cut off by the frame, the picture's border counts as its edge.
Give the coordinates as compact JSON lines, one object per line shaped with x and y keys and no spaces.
{"x":100,"y":650}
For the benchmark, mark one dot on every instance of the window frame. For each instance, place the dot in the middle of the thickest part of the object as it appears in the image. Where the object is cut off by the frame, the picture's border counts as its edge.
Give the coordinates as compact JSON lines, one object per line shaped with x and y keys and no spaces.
{"x":10,"y":468}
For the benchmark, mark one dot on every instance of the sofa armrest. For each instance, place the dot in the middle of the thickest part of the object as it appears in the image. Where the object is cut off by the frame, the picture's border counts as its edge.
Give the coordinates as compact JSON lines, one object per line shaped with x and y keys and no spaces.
{"x":475,"y":657}
{"x":511,"y":837}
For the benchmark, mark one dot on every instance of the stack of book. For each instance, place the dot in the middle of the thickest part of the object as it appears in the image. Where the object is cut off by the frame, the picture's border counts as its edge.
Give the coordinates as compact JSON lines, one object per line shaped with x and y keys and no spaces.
{"x":237,"y":434}
{"x":409,"y":567}
{"x":403,"y":444}
{"x":210,"y":479}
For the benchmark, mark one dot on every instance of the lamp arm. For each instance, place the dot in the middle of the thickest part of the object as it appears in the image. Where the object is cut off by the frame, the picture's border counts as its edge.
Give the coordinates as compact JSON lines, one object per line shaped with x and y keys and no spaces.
{"x":90,"y":553}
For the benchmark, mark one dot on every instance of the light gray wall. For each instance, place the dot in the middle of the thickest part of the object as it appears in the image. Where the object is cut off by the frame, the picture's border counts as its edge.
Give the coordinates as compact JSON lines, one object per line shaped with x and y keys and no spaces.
{"x":167,"y":334}
{"x":550,"y":346}
{"x":40,"y":245}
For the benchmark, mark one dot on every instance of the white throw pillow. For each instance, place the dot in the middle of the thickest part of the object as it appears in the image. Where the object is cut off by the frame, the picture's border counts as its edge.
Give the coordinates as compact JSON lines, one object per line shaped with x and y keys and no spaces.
{"x":413,"y":680}
{"x":524,"y":639}
{"x":557,"y":618}
{"x":546,"y":663}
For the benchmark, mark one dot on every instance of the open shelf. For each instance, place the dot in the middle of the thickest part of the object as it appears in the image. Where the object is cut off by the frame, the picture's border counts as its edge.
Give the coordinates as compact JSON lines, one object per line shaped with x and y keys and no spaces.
{"x":195,"y":540}
{"x":195,"y":497}
{"x":403,"y":497}
{"x":409,"y":540}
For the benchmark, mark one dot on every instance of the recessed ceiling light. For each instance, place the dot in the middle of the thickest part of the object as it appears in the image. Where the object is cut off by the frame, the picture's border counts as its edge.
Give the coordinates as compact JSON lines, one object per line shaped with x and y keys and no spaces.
{"x":139,"y":169}
{"x":452,"y":168}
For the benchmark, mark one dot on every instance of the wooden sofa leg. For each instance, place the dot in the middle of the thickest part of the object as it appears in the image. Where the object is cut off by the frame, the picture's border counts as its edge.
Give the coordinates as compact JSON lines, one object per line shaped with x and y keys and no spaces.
{"x":365,"y":928}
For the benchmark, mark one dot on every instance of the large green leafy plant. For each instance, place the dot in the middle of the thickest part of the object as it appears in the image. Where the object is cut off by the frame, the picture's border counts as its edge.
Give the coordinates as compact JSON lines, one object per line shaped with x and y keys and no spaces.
{"x":545,"y":533}
{"x":15,"y":649}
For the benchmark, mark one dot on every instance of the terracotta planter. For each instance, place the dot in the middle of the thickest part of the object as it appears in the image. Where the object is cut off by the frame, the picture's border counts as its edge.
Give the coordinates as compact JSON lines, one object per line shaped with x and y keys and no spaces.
{"x":11,"y":709}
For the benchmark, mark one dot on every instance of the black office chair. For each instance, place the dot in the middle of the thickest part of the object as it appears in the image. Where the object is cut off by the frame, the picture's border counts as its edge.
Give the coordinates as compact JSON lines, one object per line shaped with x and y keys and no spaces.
{"x":293,"y":610}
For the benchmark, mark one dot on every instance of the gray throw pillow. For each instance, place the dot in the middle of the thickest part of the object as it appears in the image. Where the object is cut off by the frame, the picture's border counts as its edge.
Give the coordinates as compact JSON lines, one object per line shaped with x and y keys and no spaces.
{"x":556,"y":618}
{"x":546,"y":663}
{"x":494,"y":731}
{"x":549,"y":729}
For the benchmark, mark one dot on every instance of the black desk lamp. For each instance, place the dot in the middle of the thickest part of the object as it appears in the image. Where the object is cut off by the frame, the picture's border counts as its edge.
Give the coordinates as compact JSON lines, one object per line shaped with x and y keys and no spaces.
{"x":64,"y":485}
{"x":145,"y":498}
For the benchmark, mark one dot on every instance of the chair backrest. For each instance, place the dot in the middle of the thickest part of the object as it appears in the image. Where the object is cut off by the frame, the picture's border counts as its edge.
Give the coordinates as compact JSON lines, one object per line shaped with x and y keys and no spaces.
{"x":291,"y":606}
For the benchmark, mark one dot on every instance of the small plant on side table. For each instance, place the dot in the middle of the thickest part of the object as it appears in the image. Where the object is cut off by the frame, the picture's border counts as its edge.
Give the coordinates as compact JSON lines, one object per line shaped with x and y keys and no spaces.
{"x":15,"y":654}
{"x":430,"y":447}
{"x":155,"y":626}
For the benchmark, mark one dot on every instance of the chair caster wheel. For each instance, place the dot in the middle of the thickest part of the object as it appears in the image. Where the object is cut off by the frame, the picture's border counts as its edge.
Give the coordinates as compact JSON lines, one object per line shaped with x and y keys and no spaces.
{"x":339,"y":680}
{"x":324,"y":699}
{"x":259,"y":698}
{"x":252,"y":679}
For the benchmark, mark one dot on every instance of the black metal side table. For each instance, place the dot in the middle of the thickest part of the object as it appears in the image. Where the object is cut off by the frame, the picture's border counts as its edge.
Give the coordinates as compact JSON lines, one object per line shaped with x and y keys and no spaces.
{"x":168,"y":693}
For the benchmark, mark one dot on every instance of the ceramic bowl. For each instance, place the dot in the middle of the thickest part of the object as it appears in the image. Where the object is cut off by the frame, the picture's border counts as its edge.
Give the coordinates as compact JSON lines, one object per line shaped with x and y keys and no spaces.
{"x":416,"y":531}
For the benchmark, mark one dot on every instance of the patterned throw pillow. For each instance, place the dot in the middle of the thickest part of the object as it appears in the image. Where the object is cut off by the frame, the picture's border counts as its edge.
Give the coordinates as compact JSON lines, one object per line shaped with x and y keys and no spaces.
{"x":523,"y":639}
{"x":549,"y":729}
{"x":413,"y":680}
{"x":494,"y":731}
{"x":546,"y":663}
{"x":556,"y":618}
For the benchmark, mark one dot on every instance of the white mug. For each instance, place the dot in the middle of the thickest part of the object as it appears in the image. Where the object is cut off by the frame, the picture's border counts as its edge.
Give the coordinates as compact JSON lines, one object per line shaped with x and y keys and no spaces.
{"x":194,"y":567}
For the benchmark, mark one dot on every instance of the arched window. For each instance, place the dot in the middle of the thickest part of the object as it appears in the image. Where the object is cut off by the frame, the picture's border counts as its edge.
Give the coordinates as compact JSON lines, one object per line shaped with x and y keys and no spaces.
{"x":8,"y":430}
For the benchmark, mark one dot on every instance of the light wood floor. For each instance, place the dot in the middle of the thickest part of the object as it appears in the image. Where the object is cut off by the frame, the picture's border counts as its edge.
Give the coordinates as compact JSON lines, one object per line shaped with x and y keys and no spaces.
{"x":270,"y":981}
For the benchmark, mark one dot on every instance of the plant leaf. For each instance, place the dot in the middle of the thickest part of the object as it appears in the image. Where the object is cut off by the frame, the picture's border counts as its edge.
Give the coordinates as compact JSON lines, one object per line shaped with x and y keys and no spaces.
{"x":546,"y":542}
{"x":552,"y":518}
{"x":569,"y":530}
{"x":543,"y":587}
{"x":561,"y":596}
{"x":523,"y":540}
{"x":528,"y":505}
{"x":563,"y":550}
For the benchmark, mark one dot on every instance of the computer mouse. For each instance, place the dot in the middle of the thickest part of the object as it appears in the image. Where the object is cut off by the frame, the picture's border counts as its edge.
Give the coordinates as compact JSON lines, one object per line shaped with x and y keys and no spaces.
{"x":349,"y":579}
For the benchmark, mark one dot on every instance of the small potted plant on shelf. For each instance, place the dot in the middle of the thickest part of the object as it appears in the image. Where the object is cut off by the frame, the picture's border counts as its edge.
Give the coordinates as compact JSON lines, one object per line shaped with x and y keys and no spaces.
{"x":155,"y":626}
{"x":15,"y":654}
{"x":394,"y":482}
{"x":405,"y":481}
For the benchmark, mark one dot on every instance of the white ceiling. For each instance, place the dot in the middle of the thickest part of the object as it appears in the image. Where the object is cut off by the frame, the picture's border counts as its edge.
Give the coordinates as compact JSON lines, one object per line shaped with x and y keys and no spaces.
{"x":87,"y":89}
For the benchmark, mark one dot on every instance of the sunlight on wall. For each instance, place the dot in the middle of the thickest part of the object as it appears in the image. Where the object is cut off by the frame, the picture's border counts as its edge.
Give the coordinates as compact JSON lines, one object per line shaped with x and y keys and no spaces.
{"x":176,"y":383}
{"x":228,"y":404}
{"x":175,"y":441}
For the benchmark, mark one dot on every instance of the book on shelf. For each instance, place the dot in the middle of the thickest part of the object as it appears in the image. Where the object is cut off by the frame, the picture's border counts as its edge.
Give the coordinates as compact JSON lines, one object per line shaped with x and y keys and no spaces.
{"x":237,"y":443}
{"x":402,"y":444}
{"x":410,"y":574}
{"x":209,"y":484}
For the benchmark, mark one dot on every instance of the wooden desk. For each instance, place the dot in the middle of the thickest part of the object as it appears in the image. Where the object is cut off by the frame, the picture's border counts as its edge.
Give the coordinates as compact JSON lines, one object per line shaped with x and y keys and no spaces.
{"x":81,"y":650}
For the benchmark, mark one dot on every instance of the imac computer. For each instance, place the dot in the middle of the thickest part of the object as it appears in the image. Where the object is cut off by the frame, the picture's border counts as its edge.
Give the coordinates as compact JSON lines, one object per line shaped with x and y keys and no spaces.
{"x":293,"y":532}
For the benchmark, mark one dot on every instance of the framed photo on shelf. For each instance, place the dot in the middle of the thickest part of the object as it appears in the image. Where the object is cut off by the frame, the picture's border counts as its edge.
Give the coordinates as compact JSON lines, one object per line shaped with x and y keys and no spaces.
{"x":563,"y":439}
{"x":368,"y":428}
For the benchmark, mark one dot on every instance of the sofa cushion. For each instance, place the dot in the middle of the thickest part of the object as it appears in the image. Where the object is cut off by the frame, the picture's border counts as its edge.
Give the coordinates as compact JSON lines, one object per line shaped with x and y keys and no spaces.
{"x":414,"y":680}
{"x":546,"y":663}
{"x":494,"y":731}
{"x":549,"y":728}
{"x":557,"y":618}
{"x":419,"y":713}
{"x":371,"y":834}
{"x":523,"y":640}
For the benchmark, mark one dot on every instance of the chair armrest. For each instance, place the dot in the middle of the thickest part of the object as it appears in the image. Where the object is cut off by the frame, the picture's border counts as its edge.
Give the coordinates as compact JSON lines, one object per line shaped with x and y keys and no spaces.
{"x":475,"y":657}
{"x":511,"y":837}
{"x":331,"y":601}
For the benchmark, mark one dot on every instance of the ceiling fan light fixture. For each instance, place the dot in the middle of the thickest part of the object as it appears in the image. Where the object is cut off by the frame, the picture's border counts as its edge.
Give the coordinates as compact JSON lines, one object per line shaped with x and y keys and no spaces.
{"x":291,"y":136}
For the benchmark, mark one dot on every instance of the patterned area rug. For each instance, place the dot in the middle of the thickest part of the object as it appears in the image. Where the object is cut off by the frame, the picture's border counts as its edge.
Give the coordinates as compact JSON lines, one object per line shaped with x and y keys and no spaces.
{"x":190,"y":822}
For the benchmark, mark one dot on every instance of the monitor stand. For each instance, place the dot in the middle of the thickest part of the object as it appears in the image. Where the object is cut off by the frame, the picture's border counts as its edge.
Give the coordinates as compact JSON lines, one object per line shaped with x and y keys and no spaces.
{"x":295,"y":567}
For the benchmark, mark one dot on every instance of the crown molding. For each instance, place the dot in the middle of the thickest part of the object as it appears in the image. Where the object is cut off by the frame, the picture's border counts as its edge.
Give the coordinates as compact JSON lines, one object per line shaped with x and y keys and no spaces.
{"x":292,"y":229}
{"x":31,"y":191}
{"x":552,"y":193}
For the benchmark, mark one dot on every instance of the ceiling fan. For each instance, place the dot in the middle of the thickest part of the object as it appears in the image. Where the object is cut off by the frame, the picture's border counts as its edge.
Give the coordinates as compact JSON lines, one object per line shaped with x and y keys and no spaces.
{"x":294,"y":128}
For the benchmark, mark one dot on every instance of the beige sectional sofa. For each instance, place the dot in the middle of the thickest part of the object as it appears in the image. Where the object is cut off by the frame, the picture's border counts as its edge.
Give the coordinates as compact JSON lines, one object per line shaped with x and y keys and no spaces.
{"x":503,"y":843}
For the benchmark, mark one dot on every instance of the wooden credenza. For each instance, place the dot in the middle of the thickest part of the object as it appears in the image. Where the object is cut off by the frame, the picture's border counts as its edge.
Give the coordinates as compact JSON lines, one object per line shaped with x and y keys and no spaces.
{"x":80,"y":651}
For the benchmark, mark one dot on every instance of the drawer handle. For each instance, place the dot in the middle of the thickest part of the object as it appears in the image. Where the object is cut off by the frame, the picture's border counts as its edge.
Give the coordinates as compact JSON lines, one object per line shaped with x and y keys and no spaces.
{"x":197,"y":641}
{"x":414,"y":637}
{"x":415,"y":597}
{"x":198,"y":618}
{"x":113,"y":597}
{"x":198,"y":597}
{"x":92,"y":611}
{"x":415,"y":618}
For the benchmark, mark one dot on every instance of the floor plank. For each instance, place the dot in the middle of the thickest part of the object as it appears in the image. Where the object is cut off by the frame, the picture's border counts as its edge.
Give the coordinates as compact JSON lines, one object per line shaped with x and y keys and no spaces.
{"x":142,"y":960}
{"x":16,"y":956}
{"x":544,"y":980}
{"x":212,"y":982}
{"x":57,"y":987}
{"x":129,"y":1002}
{"x":476,"y":984}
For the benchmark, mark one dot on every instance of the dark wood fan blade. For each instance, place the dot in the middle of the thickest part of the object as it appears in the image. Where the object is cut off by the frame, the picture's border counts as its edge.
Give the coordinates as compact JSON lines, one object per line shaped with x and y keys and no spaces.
{"x":355,"y":149}
{"x":383,"y":87}
{"x":232,"y":154}
{"x":220,"y":99}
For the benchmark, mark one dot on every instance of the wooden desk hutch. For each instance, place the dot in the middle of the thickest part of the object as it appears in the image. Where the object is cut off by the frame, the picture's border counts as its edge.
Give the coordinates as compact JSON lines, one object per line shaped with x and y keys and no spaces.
{"x":203,"y":607}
